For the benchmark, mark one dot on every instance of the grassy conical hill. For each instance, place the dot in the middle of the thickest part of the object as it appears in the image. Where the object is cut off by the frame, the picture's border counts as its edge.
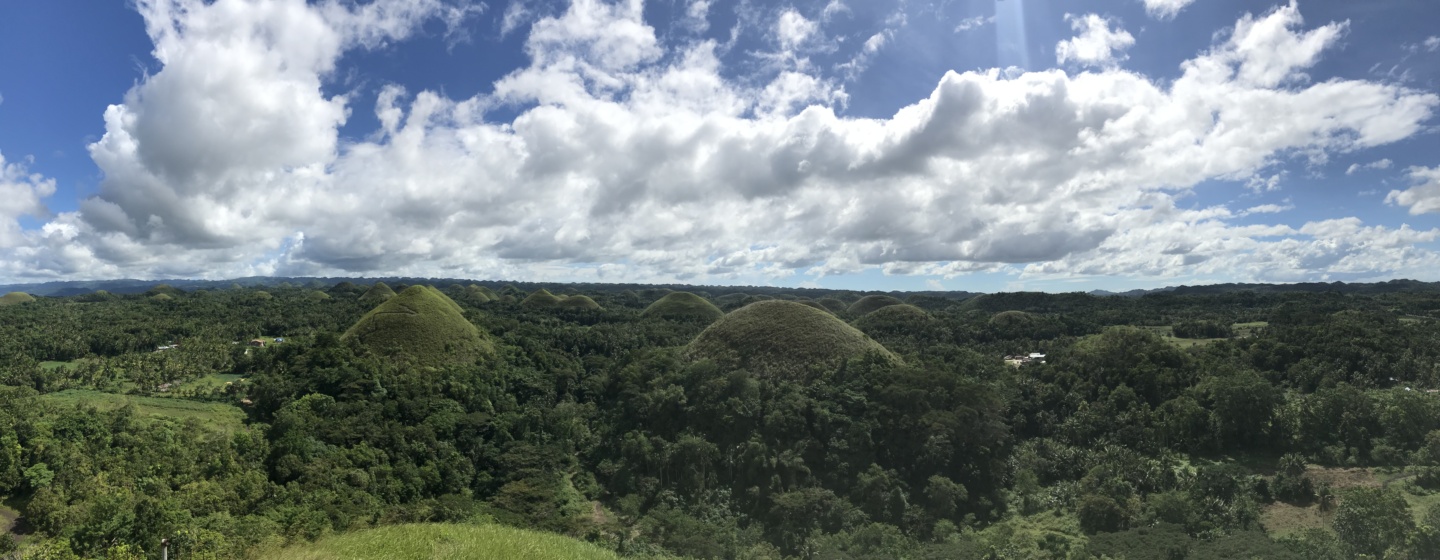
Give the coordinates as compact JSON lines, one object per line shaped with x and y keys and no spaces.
{"x":317,"y":295}
{"x":903,"y":313}
{"x":832,"y":305}
{"x":781,"y":338}
{"x":541,"y":298}
{"x":477,"y":294}
{"x":868,"y":304}
{"x":166,"y":289}
{"x":683,"y":306}
{"x":16,"y":298}
{"x":1012,"y":319}
{"x":422,"y":324}
{"x":812,"y":303}
{"x":345,"y":287}
{"x":577,"y":302}
{"x":377,"y":293}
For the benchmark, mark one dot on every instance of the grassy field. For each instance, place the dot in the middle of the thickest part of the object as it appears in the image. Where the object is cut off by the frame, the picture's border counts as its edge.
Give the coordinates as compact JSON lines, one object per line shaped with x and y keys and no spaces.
{"x":1240,"y":330}
{"x":426,"y":541}
{"x":1280,"y":519}
{"x":69,"y":366}
{"x":216,"y":416}
{"x":212,"y":381}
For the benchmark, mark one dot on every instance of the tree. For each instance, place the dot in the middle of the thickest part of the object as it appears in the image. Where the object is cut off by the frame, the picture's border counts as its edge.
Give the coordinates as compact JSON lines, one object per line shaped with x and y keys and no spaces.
{"x":1100,"y":514}
{"x":1372,"y":520}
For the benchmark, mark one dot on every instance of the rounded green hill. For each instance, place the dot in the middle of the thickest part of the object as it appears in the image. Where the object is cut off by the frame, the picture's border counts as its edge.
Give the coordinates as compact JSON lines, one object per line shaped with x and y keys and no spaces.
{"x":377,"y":293}
{"x":345,"y":287}
{"x":16,"y":298}
{"x":868,"y":304}
{"x":781,"y":338}
{"x":165,"y":289}
{"x":832,"y":305}
{"x":812,"y":303}
{"x":540,"y":298}
{"x":478,"y":294}
{"x":1012,"y":319}
{"x":683,"y":306}
{"x":890,"y":314}
{"x":421,"y":324}
{"x":577,"y":302}
{"x":317,"y":295}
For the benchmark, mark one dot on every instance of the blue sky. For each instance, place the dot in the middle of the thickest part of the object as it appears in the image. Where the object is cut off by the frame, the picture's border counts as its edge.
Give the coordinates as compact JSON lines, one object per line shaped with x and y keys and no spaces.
{"x":968,"y":144}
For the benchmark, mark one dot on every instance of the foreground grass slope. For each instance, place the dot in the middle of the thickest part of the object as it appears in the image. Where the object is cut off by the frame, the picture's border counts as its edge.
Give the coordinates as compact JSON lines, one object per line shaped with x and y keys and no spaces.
{"x":427,"y":541}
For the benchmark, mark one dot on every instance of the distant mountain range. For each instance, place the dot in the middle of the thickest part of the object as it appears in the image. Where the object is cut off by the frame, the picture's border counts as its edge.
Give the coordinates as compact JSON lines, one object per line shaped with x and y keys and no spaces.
{"x":133,"y":286}
{"x":1302,"y":287}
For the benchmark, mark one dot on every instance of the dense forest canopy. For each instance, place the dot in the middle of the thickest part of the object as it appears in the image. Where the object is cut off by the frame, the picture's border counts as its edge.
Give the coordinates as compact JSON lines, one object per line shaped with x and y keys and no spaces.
{"x":705,"y":422}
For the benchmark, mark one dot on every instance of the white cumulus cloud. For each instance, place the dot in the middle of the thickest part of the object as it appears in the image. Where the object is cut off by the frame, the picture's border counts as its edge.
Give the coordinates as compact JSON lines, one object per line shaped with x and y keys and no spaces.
{"x":623,"y":157}
{"x":1096,"y":45}
{"x":1165,"y":9}
{"x":1422,"y":198}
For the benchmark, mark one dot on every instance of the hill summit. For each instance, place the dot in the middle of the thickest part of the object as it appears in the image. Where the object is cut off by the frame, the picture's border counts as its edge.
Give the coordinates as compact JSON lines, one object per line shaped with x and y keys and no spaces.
{"x":868,"y":304}
{"x":782,"y":338}
{"x":16,"y":298}
{"x":683,"y":305}
{"x":424,"y":325}
{"x":377,"y":293}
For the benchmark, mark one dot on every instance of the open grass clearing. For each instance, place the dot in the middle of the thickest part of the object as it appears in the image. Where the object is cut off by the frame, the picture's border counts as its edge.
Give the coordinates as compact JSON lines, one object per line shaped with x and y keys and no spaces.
{"x":212,"y":381}
{"x":433,"y":540}
{"x":217,"y":416}
{"x":1281,"y":519}
{"x":71,"y":365}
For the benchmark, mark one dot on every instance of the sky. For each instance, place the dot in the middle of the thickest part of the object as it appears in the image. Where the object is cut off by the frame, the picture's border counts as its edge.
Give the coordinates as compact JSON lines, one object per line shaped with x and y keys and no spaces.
{"x":979,"y":145}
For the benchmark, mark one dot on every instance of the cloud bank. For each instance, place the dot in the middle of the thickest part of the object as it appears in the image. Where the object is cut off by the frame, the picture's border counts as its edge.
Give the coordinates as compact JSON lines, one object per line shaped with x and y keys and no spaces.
{"x":632,"y":158}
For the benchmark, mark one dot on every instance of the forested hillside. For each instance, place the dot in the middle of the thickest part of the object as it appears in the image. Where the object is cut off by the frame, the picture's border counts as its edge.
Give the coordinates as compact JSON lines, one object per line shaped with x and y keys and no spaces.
{"x":264,"y":421}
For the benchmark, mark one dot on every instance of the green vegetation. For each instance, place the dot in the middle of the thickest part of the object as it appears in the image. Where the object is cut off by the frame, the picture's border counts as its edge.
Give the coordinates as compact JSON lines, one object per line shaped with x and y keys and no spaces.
{"x":577,"y":302}
{"x":869,"y":304}
{"x":216,"y":416}
{"x":317,"y":295}
{"x":889,"y":313}
{"x":422,"y":325}
{"x":540,"y":298}
{"x":782,"y":338}
{"x":16,"y":298}
{"x":833,"y":305}
{"x":430,"y":541}
{"x":683,"y":306}
{"x":479,"y":294}
{"x":164,"y":289}
{"x":376,"y":294}
{"x":775,"y":432}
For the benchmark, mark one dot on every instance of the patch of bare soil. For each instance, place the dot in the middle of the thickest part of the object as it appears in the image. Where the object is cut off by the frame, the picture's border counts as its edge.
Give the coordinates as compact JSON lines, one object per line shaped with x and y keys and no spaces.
{"x":1280,"y":519}
{"x":1342,"y":478}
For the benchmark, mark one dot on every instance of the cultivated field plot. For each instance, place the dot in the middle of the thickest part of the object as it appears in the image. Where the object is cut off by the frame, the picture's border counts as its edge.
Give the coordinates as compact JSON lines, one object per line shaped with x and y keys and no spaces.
{"x":216,"y":416}
{"x":425,"y":541}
